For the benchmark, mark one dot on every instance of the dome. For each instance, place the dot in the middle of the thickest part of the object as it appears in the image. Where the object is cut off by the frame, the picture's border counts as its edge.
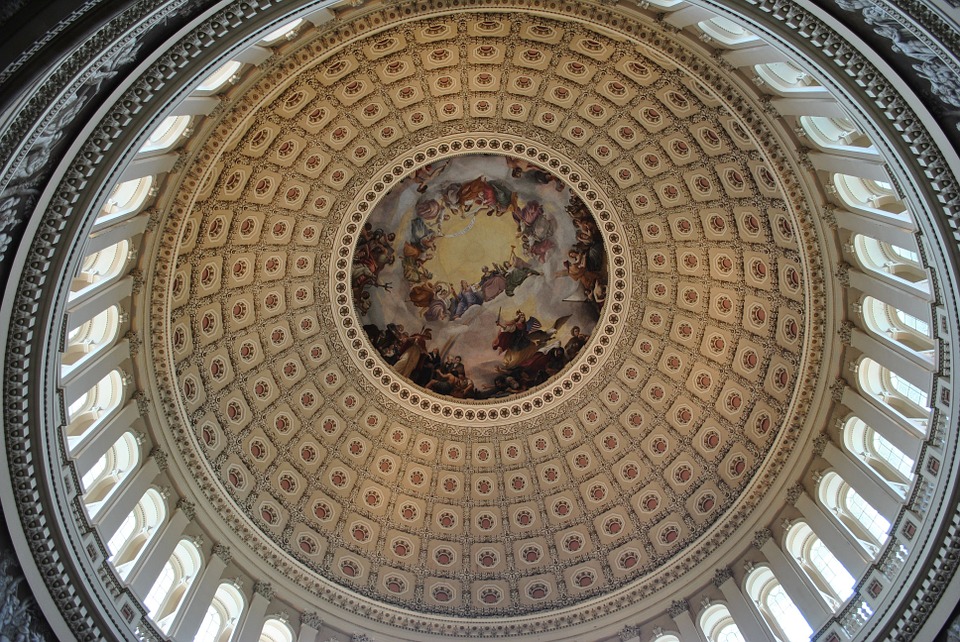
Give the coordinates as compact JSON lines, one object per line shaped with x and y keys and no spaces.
{"x":485,"y":319}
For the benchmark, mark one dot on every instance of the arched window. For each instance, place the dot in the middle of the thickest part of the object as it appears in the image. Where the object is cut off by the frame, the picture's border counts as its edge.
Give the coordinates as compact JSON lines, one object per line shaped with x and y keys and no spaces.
{"x":870,"y":196}
{"x":778,"y":610}
{"x":167,"y":593}
{"x":89,"y":338}
{"x":886,"y":461}
{"x":727,"y":32}
{"x":99,"y":268}
{"x":786,"y":78}
{"x":284,"y":32}
{"x":93,"y":406}
{"x":131,"y":539}
{"x":898,"y":327}
{"x":107,"y":475}
{"x":168,"y":134}
{"x":220,"y":621}
{"x":820,"y":565}
{"x":861,"y":519}
{"x":224,"y":75}
{"x":892,"y":391}
{"x":275,"y":630}
{"x":718,"y":626}
{"x":125,"y":199}
{"x":900,"y":263}
{"x":833,"y":133}
{"x":666,"y":637}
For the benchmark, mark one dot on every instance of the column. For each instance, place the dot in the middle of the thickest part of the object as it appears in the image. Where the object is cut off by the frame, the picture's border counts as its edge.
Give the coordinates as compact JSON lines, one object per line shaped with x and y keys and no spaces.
{"x":97,"y":443}
{"x":78,"y":382}
{"x":901,"y":295}
{"x":822,"y":105}
{"x":797,"y":585}
{"x":251,"y":624}
{"x":310,"y":624}
{"x":124,"y":499}
{"x":909,"y":365}
{"x":747,"y":620}
{"x":758,"y":54}
{"x":200,"y":596}
{"x":195,"y":106}
{"x":253,"y":55}
{"x":878,"y":495}
{"x":895,"y":231}
{"x":98,"y":300}
{"x":148,"y":166}
{"x":844,"y":547}
{"x":680,"y":612}
{"x":894,"y":429}
{"x":158,"y":550}
{"x":688,"y":15}
{"x":850,"y":160}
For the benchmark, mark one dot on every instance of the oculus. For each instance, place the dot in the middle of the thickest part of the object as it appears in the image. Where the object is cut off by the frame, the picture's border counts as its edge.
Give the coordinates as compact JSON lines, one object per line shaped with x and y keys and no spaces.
{"x":479,"y":276}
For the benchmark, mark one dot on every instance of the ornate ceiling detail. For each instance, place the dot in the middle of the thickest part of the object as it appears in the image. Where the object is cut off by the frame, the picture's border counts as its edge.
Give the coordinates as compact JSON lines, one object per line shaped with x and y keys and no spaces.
{"x":618,"y":475}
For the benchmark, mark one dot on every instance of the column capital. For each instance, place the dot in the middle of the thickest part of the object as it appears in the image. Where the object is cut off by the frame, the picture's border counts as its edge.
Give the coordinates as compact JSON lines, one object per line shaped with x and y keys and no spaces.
{"x":794,"y":492}
{"x":188,"y":508}
{"x":264,"y":589}
{"x":761,"y":537}
{"x":159,"y":456}
{"x":629,"y":632}
{"x":311,"y":619}
{"x":223,"y":552}
{"x":678,"y":607}
{"x":721,"y":575}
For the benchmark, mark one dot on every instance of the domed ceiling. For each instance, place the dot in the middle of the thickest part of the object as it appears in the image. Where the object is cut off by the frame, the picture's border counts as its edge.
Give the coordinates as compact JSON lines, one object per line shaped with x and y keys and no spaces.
{"x":477,"y":312}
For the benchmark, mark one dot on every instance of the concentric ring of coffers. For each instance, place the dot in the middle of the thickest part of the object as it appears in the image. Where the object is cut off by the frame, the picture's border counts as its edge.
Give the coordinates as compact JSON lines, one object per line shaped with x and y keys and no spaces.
{"x":625,"y":478}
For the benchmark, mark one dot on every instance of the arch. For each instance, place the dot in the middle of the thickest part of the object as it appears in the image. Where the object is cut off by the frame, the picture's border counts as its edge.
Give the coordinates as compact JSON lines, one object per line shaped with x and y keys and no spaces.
{"x":824,"y":570}
{"x":727,"y":32}
{"x":109,"y":472}
{"x":170,"y":133}
{"x":893,"y":392}
{"x":276,"y":630}
{"x":778,"y":610}
{"x":166,"y":596}
{"x":220,"y":622}
{"x":93,"y":406}
{"x":137,"y":530}
{"x":125,"y":199}
{"x":853,"y":512}
{"x":881,"y":457}
{"x":834,"y":133}
{"x":282,"y":33}
{"x":870,"y":196}
{"x":100,"y":268}
{"x":717,"y":624}
{"x":90,"y":338}
{"x":891,"y":262}
{"x":666,"y":637}
{"x":785,"y":78}
{"x":224,"y":75}
{"x":897,"y":327}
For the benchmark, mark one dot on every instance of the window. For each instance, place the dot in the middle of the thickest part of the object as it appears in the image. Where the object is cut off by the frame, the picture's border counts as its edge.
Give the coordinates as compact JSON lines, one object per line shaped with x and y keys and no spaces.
{"x":786,"y":78}
{"x":284,"y":32}
{"x":718,"y":625}
{"x":167,"y":134}
{"x":776,"y":607}
{"x":107,"y":475}
{"x":884,"y":459}
{"x":891,"y":391}
{"x":823,"y":569}
{"x":853,"y":512}
{"x":896,"y":326}
{"x":275,"y":630}
{"x":220,"y":622}
{"x":93,"y":406}
{"x":833,"y":133}
{"x":165,"y":597}
{"x":871,"y":196}
{"x":885,"y":259}
{"x":90,"y":338}
{"x":99,"y":268}
{"x":224,"y":75}
{"x":131,"y":539}
{"x":126,"y":198}
{"x":727,"y":32}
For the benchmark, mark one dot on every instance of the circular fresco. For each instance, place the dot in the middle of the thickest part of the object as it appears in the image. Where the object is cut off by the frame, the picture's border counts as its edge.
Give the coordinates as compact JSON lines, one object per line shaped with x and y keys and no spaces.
{"x":479,"y":276}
